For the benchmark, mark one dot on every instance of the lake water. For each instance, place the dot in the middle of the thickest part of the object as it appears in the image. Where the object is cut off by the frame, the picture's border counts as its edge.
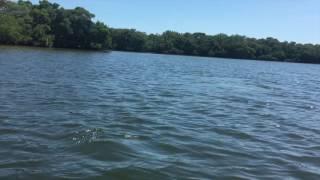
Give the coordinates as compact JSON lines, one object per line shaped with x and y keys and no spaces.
{"x":75,"y":114}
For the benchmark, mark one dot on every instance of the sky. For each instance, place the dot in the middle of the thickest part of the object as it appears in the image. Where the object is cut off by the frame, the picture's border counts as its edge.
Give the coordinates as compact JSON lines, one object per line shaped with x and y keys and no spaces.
{"x":286,"y":20}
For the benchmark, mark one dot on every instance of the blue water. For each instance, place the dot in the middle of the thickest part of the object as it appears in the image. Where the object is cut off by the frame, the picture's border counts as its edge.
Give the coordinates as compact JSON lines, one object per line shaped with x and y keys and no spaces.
{"x":74,"y":114}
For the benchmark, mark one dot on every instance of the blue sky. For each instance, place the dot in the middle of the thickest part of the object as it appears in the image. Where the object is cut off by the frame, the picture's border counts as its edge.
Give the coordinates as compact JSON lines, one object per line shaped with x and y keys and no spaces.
{"x":291,"y":20}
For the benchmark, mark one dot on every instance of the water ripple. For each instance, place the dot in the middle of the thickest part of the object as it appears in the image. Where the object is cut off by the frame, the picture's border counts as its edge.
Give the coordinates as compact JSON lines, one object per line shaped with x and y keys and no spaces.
{"x":79,"y":115}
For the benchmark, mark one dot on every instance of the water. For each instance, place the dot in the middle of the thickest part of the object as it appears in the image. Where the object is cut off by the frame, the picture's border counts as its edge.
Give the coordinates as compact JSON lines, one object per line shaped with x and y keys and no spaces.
{"x":73,"y":114}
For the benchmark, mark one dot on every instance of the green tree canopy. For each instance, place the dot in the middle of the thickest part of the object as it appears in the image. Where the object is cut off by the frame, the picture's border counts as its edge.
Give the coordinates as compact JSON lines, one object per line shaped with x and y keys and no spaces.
{"x":50,"y":25}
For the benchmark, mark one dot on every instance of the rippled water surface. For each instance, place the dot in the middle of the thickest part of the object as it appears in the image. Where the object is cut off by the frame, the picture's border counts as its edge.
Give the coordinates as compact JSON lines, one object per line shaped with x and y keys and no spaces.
{"x":73,"y":114}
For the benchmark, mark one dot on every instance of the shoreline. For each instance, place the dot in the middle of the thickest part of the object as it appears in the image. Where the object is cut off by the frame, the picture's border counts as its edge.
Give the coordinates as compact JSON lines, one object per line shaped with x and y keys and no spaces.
{"x":147,"y":52}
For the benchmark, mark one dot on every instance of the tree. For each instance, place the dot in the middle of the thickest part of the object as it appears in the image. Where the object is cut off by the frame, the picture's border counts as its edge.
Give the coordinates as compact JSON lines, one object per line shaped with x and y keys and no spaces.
{"x":128,"y":40}
{"x":100,"y":36}
{"x":3,"y":4}
{"x":10,"y":30}
{"x":49,"y":25}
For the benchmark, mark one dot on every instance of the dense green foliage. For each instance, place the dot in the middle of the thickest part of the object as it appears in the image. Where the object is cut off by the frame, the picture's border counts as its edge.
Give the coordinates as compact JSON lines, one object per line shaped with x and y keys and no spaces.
{"x":49,"y":25}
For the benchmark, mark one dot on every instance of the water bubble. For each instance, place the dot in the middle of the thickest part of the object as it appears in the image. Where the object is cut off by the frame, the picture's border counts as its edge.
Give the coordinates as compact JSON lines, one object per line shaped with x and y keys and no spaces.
{"x":128,"y":136}
{"x":87,"y":136}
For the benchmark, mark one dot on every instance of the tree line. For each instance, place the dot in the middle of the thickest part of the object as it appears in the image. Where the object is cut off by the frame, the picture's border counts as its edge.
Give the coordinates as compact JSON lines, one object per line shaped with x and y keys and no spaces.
{"x":50,"y":25}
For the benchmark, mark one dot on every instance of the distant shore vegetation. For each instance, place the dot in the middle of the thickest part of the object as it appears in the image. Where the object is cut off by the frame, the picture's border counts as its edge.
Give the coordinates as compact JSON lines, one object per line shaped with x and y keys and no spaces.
{"x":49,"y":25}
